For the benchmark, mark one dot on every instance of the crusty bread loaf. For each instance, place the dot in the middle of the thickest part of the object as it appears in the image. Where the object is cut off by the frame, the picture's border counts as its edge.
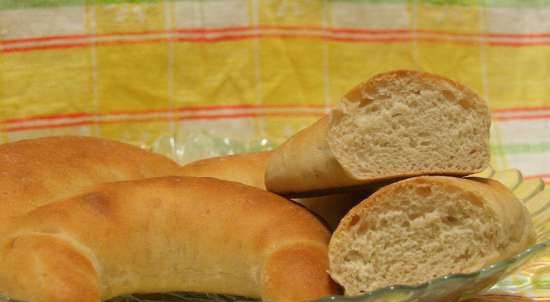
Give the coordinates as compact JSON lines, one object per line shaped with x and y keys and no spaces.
{"x":37,"y":171}
{"x":397,"y":124}
{"x":245,"y":168}
{"x":166,"y":234}
{"x":424,"y":227}
{"x":249,"y":169}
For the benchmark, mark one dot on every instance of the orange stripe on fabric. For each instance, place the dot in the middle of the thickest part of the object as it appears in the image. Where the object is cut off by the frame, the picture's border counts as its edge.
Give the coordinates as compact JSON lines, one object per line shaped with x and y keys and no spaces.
{"x":243,"y":33}
{"x":159,"y":119}
{"x":313,"y":28}
{"x":519,"y":109}
{"x":69,"y":115}
{"x":522,"y":117}
{"x":181,"y":109}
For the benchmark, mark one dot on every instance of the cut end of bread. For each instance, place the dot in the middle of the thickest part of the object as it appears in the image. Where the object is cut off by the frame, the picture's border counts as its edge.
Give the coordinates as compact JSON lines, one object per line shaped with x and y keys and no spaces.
{"x":407,"y":123}
{"x":418,"y":232}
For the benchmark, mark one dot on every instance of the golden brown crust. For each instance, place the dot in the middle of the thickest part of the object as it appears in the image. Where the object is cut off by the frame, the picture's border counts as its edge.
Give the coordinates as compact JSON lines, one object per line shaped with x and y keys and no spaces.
{"x":70,"y":277}
{"x":307,"y":164}
{"x":245,"y":168}
{"x":249,"y":169}
{"x":378,"y":82}
{"x":184,"y":233}
{"x":37,"y":171}
{"x":297,"y":269}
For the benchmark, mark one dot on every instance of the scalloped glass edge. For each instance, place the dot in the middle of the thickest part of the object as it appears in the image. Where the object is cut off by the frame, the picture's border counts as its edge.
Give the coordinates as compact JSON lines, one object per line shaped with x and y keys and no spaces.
{"x":414,"y":291}
{"x":444,"y":288}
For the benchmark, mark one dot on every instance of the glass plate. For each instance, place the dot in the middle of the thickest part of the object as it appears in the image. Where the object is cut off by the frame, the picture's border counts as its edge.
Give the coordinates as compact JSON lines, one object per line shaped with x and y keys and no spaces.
{"x":524,"y":276}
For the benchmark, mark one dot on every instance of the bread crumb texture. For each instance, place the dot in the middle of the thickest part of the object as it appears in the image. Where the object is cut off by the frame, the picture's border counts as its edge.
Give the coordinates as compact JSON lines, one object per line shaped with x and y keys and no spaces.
{"x":410,"y":123}
{"x":416,"y":233}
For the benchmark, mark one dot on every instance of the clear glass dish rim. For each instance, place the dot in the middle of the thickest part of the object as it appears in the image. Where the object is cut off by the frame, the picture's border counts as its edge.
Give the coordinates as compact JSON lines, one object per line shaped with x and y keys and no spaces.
{"x":538,"y":247}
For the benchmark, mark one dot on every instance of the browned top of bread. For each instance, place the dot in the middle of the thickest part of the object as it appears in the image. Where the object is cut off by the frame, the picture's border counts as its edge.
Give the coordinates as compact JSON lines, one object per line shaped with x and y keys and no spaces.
{"x":37,"y":171}
{"x":246,"y":168}
{"x":376,"y":85}
{"x":167,"y":234}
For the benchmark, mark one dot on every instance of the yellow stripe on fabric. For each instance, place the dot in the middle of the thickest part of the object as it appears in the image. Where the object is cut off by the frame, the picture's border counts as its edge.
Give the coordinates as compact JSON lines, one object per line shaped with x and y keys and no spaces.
{"x":519,"y":76}
{"x":46,"y":82}
{"x":462,"y":63}
{"x":292,"y":72}
{"x":224,"y":72}
{"x":352,"y":63}
{"x":131,"y":76}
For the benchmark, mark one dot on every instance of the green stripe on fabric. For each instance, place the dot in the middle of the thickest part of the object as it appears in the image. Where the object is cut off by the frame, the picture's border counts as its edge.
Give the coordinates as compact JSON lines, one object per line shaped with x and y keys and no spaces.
{"x":7,"y":4}
{"x":18,"y":4}
{"x":484,"y":3}
{"x":431,"y":2}
{"x":533,"y":3}
{"x":15,"y":4}
{"x":522,"y":148}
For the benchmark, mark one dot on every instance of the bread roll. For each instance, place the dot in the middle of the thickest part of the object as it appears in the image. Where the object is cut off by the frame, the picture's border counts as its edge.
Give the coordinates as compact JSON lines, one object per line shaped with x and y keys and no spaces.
{"x":417,"y":229}
{"x":166,"y":234}
{"x":395,"y":125}
{"x":37,"y":171}
{"x":245,"y":168}
{"x":249,"y":169}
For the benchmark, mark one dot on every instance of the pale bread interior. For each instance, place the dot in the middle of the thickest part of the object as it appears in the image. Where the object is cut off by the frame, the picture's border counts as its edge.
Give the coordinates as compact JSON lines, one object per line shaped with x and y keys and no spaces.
{"x":416,"y":233}
{"x":410,"y":125}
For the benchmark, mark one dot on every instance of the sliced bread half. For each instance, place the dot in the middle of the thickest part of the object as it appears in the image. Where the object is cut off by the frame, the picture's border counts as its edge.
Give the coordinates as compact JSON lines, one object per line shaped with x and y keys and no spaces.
{"x":424,"y":227}
{"x":395,"y":125}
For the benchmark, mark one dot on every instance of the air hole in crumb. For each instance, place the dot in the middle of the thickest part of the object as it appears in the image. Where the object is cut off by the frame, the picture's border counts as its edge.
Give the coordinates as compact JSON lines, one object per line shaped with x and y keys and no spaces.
{"x":352,"y":256}
{"x":372,"y":109}
{"x":450,"y":220}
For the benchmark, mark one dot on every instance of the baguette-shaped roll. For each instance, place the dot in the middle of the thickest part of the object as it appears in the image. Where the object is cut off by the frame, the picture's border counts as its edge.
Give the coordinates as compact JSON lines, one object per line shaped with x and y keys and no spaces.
{"x":245,"y":168}
{"x":395,"y":125}
{"x":249,"y":169}
{"x":37,"y":171}
{"x":166,"y":234}
{"x":417,"y":229}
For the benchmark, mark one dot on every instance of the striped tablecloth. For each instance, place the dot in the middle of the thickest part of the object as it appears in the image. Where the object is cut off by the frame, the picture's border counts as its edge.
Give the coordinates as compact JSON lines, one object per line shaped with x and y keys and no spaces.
{"x":200,"y":78}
